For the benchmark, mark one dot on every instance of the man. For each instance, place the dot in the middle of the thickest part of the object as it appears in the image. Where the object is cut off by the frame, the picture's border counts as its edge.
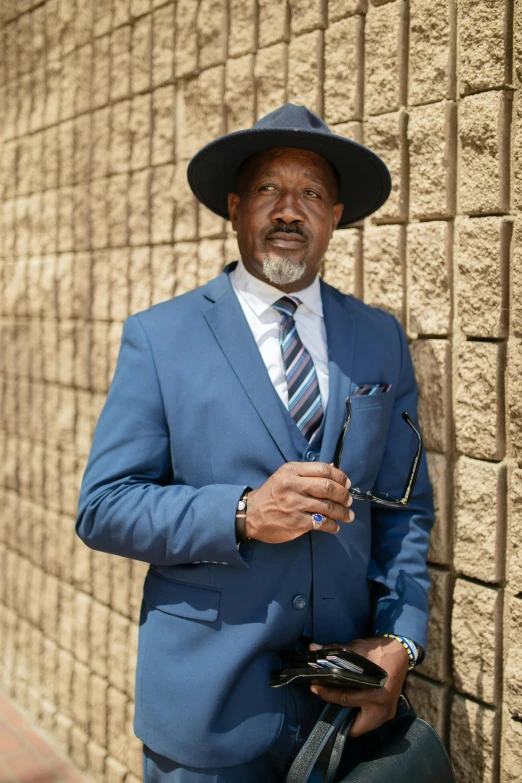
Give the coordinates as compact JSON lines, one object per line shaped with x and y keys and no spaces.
{"x":212,"y":461}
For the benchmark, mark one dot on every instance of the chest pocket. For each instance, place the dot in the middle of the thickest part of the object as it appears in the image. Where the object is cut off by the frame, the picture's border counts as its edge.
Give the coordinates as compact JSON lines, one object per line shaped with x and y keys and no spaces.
{"x":366,"y":438}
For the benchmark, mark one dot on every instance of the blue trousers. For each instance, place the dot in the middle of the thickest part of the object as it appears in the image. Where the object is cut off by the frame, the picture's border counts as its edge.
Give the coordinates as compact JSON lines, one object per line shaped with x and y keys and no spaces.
{"x":302,"y":713}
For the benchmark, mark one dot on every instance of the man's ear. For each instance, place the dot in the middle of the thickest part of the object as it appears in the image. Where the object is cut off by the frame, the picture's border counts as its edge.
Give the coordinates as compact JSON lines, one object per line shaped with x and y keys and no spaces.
{"x":337,"y":213}
{"x":233,"y":203}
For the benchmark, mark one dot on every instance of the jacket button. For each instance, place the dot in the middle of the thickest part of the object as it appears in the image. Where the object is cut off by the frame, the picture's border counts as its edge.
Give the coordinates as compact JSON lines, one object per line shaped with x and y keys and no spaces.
{"x":299,"y":602}
{"x":311,"y":456}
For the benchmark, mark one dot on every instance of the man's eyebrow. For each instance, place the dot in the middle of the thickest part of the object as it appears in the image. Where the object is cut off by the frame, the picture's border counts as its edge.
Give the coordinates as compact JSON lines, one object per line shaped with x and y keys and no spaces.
{"x":277,"y":173}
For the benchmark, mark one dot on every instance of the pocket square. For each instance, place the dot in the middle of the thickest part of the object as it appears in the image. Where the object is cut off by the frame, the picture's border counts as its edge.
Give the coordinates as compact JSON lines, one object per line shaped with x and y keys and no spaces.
{"x":371,"y":389}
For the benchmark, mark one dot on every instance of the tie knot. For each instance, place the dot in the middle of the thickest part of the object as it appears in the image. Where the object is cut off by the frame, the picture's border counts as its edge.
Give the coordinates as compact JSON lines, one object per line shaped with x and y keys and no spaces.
{"x":287,"y":305}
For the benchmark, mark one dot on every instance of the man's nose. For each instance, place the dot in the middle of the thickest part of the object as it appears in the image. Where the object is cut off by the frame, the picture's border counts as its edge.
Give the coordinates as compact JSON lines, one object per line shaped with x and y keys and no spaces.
{"x":288,"y":207}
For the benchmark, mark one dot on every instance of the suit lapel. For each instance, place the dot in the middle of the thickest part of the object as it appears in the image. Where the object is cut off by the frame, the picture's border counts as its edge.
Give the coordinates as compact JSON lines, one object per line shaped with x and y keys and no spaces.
{"x":340,"y":334}
{"x":230,"y":327}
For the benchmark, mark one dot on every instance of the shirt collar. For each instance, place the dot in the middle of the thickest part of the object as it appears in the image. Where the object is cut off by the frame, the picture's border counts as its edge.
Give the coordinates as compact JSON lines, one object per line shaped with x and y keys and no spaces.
{"x":260,"y":296}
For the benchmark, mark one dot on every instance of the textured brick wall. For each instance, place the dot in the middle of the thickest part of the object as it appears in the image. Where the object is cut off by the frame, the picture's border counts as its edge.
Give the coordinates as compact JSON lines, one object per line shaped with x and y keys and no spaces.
{"x":101,"y":106}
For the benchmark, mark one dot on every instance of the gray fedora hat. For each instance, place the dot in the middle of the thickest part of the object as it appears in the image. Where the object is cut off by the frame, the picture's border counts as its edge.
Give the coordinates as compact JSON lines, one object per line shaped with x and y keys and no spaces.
{"x":364,"y":179}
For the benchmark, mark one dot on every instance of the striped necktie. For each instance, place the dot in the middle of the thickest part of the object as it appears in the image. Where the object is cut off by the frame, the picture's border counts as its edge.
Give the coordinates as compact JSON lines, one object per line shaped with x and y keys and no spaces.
{"x":304,"y":397}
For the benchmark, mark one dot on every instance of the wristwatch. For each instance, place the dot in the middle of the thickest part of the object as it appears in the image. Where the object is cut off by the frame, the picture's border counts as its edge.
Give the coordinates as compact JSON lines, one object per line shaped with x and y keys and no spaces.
{"x":241,"y":513}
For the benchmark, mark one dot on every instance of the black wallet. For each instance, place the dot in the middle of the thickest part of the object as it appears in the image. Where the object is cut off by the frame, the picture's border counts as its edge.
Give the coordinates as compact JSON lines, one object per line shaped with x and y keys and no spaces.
{"x":329,"y":666}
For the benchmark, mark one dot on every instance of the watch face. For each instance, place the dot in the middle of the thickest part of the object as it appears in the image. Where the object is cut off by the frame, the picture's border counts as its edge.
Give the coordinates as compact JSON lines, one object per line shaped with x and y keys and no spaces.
{"x":241,"y":505}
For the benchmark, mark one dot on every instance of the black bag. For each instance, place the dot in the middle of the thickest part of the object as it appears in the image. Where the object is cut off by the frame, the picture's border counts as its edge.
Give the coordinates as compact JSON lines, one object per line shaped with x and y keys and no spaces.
{"x":403,"y":750}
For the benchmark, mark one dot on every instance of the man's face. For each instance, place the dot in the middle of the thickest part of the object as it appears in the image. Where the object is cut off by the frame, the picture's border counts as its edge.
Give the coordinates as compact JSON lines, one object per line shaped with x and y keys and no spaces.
{"x":284,"y":213}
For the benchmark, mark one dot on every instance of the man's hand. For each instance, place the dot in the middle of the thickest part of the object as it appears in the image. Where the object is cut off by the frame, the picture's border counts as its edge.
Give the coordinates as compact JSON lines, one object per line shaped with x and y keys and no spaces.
{"x":281,"y":509}
{"x":378,"y":705}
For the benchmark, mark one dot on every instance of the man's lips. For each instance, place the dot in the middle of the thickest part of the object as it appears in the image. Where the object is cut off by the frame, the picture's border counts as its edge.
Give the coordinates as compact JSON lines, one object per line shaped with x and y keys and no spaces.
{"x":287,"y":240}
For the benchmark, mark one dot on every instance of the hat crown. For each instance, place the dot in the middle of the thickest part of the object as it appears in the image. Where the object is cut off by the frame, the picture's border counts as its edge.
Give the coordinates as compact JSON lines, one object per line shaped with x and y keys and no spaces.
{"x":292,"y":117}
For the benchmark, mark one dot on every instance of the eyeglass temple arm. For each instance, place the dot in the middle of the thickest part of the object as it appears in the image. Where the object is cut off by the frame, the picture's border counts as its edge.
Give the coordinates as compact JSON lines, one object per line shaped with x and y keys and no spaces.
{"x":339,"y":448}
{"x":414,"y":470}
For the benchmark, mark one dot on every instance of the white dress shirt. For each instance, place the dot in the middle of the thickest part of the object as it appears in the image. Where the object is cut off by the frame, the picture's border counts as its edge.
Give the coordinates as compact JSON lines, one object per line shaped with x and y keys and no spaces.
{"x":256,"y":299}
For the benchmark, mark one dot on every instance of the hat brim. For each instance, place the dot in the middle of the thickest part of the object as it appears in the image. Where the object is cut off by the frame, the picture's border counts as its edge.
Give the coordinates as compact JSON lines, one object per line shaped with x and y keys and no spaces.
{"x":364,"y":179}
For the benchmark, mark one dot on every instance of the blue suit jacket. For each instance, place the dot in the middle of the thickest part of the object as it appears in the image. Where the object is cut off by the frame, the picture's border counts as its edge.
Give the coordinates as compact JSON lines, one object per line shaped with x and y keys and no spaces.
{"x":192,"y":418}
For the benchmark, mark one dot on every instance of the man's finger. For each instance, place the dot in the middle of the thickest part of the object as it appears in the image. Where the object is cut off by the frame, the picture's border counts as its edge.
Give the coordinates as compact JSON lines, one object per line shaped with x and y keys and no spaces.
{"x":346,"y":697}
{"x":327,"y":526}
{"x":327,"y":489}
{"x":322,"y":470}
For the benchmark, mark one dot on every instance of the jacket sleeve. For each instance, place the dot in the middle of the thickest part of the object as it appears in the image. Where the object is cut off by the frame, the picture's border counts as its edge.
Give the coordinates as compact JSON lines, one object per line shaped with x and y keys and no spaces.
{"x":129,"y":503}
{"x":400,"y":536}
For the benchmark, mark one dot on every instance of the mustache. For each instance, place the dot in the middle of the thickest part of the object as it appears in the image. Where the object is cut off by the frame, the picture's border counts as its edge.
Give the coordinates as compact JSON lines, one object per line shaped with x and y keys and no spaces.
{"x":286,"y":228}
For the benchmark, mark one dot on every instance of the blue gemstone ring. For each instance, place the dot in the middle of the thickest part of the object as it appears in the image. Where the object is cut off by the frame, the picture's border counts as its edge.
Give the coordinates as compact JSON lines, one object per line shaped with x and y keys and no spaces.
{"x":317,"y":521}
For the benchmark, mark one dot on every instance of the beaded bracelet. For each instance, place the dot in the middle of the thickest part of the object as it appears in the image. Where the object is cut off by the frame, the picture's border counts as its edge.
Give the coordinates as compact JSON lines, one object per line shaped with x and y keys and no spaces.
{"x":409,"y":646}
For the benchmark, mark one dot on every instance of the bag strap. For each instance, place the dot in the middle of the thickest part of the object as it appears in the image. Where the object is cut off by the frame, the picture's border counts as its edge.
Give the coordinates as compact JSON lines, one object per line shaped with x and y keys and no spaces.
{"x":323,"y":749}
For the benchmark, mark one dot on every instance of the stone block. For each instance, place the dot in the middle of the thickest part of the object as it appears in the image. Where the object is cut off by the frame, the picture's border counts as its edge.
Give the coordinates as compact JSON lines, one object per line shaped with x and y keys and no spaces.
{"x":116,"y":724}
{"x":482,"y":27}
{"x":65,"y":219}
{"x":139,"y":279}
{"x":511,"y":758}
{"x":343,"y":70}
{"x":479,"y":400}
{"x":473,"y":745}
{"x":120,"y":145}
{"x":484,"y":121}
{"x":141,"y":54}
{"x":117,"y":192}
{"x":120,"y":53}
{"x":113,"y":347}
{"x":307,"y":15}
{"x":439,"y":539}
{"x":140,"y":131}
{"x":513,"y":649}
{"x":120,"y":12}
{"x":82,"y":138}
{"x":242,"y":27}
{"x":305,"y":70}
{"x":96,"y":756}
{"x":119,"y":284}
{"x":98,"y":356}
{"x":163,"y":273}
{"x":80,"y":694}
{"x":115,"y":772}
{"x":343,"y":261}
{"x":436,"y":663}
{"x":64,"y":701}
{"x":83,"y":64}
{"x":479,"y":535}
{"x":338,"y":9}
{"x":98,"y":210}
{"x":163,"y":48}
{"x":66,"y":619}
{"x":100,"y":141}
{"x":185,"y":208}
{"x":514,"y":405}
{"x":239,"y":92}
{"x":163,"y":125}
{"x":270,"y":72}
{"x":186,"y":260}
{"x":475,"y":629}
{"x":515,"y":305}
{"x":210,"y":259}
{"x":79,"y":739}
{"x":212,"y":32}
{"x":517,"y":145}
{"x":200,"y":111}
{"x":97,"y":706}
{"x":386,"y":135}
{"x":483,"y":249}
{"x":139,"y":207}
{"x":101,"y":71}
{"x":118,"y":642}
{"x":383,"y":268}
{"x":163,"y":200}
{"x":186,"y":51}
{"x":383,"y":58}
{"x":514,"y":562}
{"x":428,"y":253}
{"x":69,"y":86}
{"x":431,"y":359}
{"x":210,"y":224}
{"x":100,"y":285}
{"x":82,"y":622}
{"x":431,"y":141}
{"x":49,"y":617}
{"x":99,"y":638}
{"x":274,"y":22}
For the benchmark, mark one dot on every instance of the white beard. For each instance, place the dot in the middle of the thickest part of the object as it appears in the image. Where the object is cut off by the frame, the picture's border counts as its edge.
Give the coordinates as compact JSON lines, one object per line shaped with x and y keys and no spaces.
{"x":282,"y":271}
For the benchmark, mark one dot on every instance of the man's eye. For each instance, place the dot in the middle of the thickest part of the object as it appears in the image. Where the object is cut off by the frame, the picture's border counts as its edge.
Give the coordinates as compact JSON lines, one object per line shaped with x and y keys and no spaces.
{"x":267,"y":187}
{"x":311,"y":193}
